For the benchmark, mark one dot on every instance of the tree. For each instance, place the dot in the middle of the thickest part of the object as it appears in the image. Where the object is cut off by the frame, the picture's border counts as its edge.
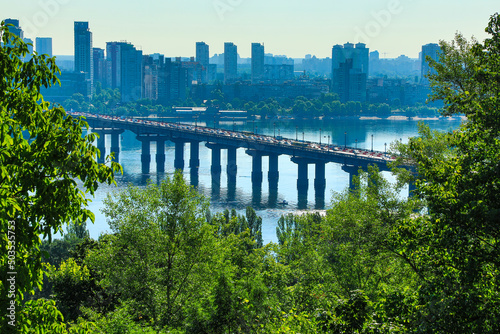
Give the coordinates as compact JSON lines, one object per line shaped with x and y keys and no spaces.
{"x":43,"y":158}
{"x":162,"y":253}
{"x":233,"y":223}
{"x":353,"y":240}
{"x":454,"y":75}
{"x":72,"y":286}
{"x":455,"y":248}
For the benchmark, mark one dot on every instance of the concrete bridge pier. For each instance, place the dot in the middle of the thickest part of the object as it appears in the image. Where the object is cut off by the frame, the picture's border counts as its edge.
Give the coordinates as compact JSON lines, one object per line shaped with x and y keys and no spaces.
{"x":302,"y":178}
{"x":273,"y":195}
{"x":179,"y":154}
{"x":194,"y":159}
{"x":215,"y":168}
{"x":273,"y":174}
{"x":101,"y":144}
{"x":146,"y":153}
{"x":320,"y":184}
{"x":232,"y":167}
{"x":319,"y":178}
{"x":215,"y":186}
{"x":302,"y":181}
{"x":256,"y":166}
{"x":194,"y":177}
{"x":353,"y":172}
{"x":115,"y":143}
{"x":160,"y":156}
{"x":273,"y":178}
{"x":231,"y":189}
{"x":256,"y":194}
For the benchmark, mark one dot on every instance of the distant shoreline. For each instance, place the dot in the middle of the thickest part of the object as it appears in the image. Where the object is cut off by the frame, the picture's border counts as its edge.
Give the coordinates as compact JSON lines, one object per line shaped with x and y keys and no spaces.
{"x":377,"y":118}
{"x":291,"y":118}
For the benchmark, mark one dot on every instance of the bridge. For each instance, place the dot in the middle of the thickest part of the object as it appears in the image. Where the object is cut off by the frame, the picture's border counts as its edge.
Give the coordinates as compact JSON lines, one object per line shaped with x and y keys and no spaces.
{"x":257,"y":146}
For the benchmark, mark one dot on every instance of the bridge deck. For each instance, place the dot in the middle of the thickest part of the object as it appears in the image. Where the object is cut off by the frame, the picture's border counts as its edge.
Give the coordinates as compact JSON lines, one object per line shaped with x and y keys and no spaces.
{"x":262,"y":143}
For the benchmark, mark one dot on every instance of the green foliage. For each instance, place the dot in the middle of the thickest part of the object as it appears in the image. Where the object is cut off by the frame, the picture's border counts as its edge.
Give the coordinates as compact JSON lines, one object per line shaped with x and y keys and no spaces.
{"x":291,"y":322}
{"x":349,"y":316}
{"x":119,"y":321}
{"x":454,"y":75}
{"x":74,"y":286}
{"x":232,"y":223}
{"x":355,"y":233}
{"x":41,"y":316}
{"x":159,"y":257}
{"x":455,"y":248}
{"x":77,"y":231}
{"x":43,"y":156}
{"x":71,"y":286}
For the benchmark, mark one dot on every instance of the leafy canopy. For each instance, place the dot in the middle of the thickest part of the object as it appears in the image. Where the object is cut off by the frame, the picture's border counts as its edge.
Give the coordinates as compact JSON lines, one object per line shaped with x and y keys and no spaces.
{"x":43,"y":159}
{"x":455,"y":248}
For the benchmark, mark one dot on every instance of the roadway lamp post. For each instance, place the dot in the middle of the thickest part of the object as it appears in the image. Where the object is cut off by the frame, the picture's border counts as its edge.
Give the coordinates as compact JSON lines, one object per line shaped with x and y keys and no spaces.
{"x":195,"y":123}
{"x":320,"y":137}
{"x":372,"y":143}
{"x":328,"y":141}
{"x":303,"y":136}
{"x":385,"y":150}
{"x":253,"y":125}
{"x":274,"y":129}
{"x":345,"y":139}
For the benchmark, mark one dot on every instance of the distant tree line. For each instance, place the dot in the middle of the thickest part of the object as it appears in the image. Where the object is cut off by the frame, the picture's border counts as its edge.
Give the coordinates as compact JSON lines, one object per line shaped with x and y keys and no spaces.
{"x":107,"y":101}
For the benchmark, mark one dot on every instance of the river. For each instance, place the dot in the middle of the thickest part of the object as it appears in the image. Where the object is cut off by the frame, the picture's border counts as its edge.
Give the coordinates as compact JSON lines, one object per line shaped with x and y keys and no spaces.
{"x":364,"y":134}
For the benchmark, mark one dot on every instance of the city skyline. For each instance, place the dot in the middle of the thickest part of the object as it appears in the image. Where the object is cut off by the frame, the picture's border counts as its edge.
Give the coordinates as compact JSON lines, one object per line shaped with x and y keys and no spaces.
{"x":292,"y":28}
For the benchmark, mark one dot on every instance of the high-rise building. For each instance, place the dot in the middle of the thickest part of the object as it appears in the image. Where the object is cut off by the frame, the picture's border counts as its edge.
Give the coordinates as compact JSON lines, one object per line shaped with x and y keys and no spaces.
{"x":203,"y":57}
{"x":16,"y":28}
{"x":150,"y":74}
{"x":350,"y":71}
{"x":131,"y":73}
{"x":125,"y":69}
{"x":230,"y":62}
{"x":83,"y":50}
{"x":100,"y":67}
{"x":257,"y":62}
{"x":44,"y":46}
{"x":432,"y":50}
{"x":176,"y":79}
{"x":113,"y":58}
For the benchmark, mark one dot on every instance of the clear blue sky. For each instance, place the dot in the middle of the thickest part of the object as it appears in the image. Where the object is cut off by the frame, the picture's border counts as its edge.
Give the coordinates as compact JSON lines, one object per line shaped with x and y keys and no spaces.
{"x":291,"y":27}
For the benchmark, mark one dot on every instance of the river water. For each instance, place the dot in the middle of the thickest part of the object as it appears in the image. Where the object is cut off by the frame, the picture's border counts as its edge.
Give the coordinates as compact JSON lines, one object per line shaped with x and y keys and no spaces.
{"x":364,"y":134}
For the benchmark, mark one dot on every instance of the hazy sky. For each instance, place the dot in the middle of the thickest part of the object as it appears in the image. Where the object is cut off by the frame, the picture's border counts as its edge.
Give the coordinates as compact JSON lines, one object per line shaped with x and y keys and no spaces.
{"x":290,"y":27}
